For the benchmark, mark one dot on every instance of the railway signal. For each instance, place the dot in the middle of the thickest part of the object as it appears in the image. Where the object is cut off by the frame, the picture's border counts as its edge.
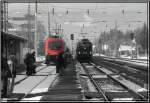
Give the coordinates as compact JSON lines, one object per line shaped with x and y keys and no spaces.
{"x":132,"y":36}
{"x":53,"y":11}
{"x":123,"y":11}
{"x":72,"y":36}
{"x":67,"y":12}
{"x":88,"y":12}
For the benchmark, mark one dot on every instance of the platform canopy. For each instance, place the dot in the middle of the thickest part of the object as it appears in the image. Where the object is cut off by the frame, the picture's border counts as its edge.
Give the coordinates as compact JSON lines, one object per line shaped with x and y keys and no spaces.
{"x":16,"y":37}
{"x":76,"y":1}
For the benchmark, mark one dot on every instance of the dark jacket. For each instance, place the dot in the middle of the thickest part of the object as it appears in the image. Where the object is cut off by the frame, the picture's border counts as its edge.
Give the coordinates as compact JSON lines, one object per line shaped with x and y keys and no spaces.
{"x":6,"y":72}
{"x":60,"y":60}
{"x":29,"y":59}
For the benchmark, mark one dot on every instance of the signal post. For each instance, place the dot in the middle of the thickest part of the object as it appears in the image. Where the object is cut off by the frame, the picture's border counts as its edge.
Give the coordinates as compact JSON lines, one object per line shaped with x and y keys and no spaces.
{"x":72,"y":38}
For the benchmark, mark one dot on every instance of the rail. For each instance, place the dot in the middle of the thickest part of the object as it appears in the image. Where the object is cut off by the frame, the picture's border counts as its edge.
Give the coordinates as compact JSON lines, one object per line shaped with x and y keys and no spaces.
{"x":111,"y":76}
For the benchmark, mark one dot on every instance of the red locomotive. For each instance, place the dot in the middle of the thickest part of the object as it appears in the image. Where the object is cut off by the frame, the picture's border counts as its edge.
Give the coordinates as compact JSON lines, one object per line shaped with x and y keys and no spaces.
{"x":53,"y":46}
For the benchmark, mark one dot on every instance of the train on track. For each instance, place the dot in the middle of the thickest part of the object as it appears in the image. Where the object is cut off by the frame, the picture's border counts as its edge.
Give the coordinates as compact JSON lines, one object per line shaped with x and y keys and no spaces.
{"x":54,"y":45}
{"x":84,"y":50}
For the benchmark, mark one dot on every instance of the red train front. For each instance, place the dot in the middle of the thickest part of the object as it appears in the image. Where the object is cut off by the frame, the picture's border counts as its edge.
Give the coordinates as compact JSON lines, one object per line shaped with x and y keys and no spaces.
{"x":53,"y":46}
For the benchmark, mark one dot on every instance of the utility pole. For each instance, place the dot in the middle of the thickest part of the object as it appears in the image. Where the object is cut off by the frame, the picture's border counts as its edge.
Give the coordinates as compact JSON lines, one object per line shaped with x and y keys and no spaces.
{"x":49,"y":24}
{"x":116,"y":25}
{"x":59,"y":29}
{"x":29,"y":29}
{"x":72,"y":38}
{"x":35,"y":30}
{"x":6,"y":27}
{"x":56,"y":30}
{"x":5,"y":17}
{"x":2,"y":16}
{"x":62,"y":32}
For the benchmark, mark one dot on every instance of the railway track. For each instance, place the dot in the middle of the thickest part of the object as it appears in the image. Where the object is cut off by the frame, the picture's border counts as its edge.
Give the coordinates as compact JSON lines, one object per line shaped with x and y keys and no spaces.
{"x":144,"y":61}
{"x":139,"y":76}
{"x":139,"y":65}
{"x":47,"y":85}
{"x":110,"y":85}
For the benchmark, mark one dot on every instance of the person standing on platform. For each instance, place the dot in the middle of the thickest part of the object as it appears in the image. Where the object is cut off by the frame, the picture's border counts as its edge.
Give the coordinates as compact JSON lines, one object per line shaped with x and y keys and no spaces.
{"x":60,"y":63}
{"x":28,"y":61}
{"x":33,"y":56}
{"x":33,"y":62}
{"x":12,"y":61}
{"x":5,"y":74}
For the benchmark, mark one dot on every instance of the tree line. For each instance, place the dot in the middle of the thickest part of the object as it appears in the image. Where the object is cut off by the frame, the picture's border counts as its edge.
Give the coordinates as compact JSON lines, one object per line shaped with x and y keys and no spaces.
{"x":115,"y":38}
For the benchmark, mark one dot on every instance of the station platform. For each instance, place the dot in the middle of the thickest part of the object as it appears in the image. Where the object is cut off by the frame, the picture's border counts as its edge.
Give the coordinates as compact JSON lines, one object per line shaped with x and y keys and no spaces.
{"x":66,"y":87}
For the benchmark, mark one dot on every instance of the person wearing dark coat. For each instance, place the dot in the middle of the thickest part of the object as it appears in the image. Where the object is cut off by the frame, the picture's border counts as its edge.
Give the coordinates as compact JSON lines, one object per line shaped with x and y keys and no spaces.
{"x":29,"y":61}
{"x":5,"y":74}
{"x":60,"y":63}
{"x":34,"y":61}
{"x":5,"y":68}
{"x":33,"y":56}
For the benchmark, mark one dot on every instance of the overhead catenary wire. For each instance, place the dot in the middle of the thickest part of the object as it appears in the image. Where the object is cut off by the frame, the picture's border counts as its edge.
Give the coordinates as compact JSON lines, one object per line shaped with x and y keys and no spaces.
{"x":66,"y":14}
{"x":67,"y":9}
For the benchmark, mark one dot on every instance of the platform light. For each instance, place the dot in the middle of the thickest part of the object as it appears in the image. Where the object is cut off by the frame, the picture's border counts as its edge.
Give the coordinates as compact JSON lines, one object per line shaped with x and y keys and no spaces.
{"x":132,"y":35}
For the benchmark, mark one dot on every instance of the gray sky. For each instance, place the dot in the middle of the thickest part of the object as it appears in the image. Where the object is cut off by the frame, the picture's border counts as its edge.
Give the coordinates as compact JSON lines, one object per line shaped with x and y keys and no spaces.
{"x":112,"y":13}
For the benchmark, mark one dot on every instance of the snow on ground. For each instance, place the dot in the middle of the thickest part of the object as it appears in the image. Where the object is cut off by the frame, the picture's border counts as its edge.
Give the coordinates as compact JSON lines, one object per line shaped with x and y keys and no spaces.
{"x":143,"y":57}
{"x":127,"y":57}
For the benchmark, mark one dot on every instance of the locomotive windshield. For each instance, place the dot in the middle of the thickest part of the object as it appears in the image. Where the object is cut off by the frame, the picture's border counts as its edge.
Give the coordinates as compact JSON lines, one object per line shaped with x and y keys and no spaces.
{"x":55,"y":45}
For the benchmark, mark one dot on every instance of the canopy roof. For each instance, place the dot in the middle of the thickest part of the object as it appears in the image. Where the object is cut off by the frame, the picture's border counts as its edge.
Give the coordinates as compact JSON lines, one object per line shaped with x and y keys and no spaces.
{"x":13,"y":36}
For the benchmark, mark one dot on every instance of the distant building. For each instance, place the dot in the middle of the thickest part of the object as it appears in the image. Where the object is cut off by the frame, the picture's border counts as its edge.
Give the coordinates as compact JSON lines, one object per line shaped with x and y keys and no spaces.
{"x":126,"y":50}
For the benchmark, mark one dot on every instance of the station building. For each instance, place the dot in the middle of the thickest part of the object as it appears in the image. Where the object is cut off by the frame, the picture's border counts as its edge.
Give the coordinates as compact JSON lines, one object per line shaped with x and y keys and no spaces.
{"x":12,"y":44}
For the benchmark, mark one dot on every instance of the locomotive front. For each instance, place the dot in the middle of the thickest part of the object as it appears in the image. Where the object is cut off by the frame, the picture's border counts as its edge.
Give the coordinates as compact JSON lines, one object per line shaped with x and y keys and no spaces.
{"x":84,"y":50}
{"x":53,"y":47}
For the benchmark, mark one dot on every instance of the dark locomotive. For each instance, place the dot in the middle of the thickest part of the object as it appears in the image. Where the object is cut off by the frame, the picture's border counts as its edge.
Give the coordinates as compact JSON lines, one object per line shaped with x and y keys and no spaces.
{"x":84,"y":50}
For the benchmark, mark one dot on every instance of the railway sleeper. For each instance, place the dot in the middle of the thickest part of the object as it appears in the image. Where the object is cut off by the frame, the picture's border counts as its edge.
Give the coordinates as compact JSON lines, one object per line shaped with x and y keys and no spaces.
{"x":90,"y":95}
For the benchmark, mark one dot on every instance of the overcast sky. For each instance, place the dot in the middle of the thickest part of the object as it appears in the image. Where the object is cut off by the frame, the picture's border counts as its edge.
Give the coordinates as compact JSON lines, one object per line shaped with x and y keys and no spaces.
{"x":122,"y":15}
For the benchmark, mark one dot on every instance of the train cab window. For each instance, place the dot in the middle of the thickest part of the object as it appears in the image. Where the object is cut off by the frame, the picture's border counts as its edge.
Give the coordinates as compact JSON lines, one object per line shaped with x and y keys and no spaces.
{"x":55,"y":45}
